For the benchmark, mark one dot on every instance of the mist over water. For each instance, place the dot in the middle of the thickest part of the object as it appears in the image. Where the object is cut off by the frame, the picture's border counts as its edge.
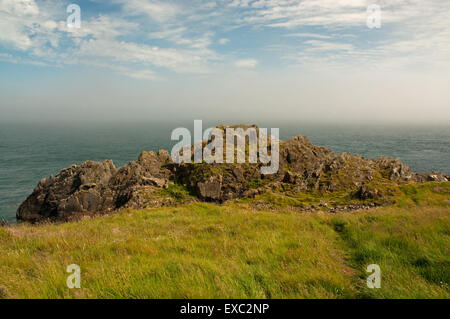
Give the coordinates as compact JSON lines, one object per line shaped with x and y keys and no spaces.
{"x":30,"y":152}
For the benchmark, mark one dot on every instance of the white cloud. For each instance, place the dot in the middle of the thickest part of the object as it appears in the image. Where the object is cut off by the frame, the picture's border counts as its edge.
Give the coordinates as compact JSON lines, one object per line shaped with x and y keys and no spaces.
{"x":322,"y":46}
{"x":19,"y":8}
{"x":168,"y":33}
{"x":240,"y":3}
{"x":178,"y":36}
{"x":413,"y":32}
{"x":308,"y":35}
{"x":157,"y":10}
{"x":14,"y":15}
{"x":99,"y":39}
{"x":140,"y":74}
{"x":246,"y":63}
{"x":181,"y":61}
{"x":102,"y":26}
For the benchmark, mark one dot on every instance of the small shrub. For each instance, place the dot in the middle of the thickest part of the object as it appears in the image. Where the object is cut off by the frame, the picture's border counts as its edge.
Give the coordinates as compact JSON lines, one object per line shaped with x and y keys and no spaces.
{"x":339,"y":225}
{"x":177,"y":192}
{"x":255,"y":183}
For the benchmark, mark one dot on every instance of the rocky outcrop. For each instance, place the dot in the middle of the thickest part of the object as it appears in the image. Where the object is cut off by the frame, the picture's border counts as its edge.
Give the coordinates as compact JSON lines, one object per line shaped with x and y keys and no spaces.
{"x":211,"y":188}
{"x":431,"y":177}
{"x":95,"y":188}
{"x":99,"y":188}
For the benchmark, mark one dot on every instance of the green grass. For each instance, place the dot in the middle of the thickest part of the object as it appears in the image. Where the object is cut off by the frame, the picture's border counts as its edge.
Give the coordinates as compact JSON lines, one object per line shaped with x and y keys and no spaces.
{"x":409,"y":195}
{"x":426,"y":194}
{"x":410,"y":246}
{"x":233,"y":251}
{"x":178,"y":192}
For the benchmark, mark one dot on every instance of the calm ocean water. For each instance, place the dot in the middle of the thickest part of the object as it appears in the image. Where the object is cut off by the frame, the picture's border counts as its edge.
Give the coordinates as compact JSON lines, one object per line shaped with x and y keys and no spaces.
{"x":29,"y":152}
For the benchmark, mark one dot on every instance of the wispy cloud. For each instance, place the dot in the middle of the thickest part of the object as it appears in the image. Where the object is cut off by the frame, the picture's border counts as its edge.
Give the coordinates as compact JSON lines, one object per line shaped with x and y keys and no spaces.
{"x":246,"y":63}
{"x":308,"y":35}
{"x":156,"y":10}
{"x":182,"y":37}
{"x":224,"y":41}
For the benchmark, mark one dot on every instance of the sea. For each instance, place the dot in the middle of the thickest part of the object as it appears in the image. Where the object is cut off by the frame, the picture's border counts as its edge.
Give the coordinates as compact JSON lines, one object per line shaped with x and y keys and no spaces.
{"x":32,"y":151}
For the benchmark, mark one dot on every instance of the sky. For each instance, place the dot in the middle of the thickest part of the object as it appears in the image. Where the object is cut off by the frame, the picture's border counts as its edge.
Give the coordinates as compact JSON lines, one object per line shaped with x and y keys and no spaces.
{"x":237,"y":60}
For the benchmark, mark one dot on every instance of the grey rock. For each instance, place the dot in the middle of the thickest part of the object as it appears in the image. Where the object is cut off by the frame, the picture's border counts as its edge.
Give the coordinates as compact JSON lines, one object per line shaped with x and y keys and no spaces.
{"x":100,"y":188}
{"x":211,"y":189}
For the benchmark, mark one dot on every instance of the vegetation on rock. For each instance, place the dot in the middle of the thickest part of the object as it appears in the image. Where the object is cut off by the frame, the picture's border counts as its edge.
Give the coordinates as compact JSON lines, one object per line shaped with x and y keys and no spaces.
{"x":305,"y":171}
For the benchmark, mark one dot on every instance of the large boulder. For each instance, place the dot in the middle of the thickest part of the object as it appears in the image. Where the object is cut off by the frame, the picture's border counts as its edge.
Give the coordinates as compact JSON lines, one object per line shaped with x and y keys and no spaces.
{"x":395,"y":169}
{"x":211,"y":188}
{"x":94,"y":187}
{"x":75,"y":189}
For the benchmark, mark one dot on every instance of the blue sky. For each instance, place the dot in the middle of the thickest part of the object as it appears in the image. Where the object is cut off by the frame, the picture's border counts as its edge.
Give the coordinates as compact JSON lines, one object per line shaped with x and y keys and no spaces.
{"x":314,"y":57}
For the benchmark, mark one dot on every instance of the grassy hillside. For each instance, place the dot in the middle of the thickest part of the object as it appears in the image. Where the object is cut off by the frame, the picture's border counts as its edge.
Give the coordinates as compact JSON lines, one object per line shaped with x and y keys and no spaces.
{"x":235,"y":251}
